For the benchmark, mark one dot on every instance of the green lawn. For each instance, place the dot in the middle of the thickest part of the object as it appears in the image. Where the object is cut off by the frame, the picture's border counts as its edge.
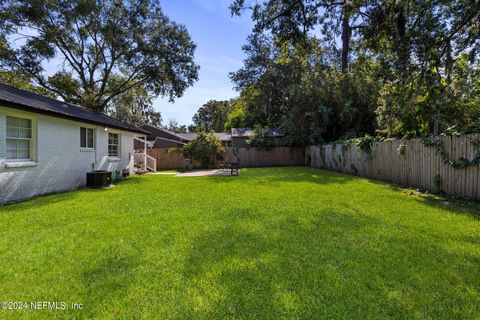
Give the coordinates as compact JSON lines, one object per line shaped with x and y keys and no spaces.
{"x":269,"y":244}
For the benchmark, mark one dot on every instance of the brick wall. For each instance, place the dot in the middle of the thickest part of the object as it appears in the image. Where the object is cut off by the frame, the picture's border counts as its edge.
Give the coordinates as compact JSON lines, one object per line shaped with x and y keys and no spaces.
{"x":60,"y":164}
{"x":3,"y":132}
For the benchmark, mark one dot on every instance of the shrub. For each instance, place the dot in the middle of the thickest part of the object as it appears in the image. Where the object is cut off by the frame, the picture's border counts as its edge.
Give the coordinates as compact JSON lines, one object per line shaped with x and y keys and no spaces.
{"x":260,"y":138}
{"x":205,"y":148}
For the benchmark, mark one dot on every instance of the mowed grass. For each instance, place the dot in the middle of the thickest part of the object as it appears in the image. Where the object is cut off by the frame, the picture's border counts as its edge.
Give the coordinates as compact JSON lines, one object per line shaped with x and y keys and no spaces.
{"x":272,"y":243}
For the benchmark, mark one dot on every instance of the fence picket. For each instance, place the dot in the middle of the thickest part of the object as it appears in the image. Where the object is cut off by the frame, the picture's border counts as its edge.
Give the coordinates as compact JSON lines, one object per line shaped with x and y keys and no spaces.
{"x":418,"y":167}
{"x":247,"y":157}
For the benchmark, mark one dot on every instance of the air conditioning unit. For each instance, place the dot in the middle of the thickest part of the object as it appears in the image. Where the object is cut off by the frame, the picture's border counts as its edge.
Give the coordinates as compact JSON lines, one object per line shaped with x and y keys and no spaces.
{"x":99,"y":179}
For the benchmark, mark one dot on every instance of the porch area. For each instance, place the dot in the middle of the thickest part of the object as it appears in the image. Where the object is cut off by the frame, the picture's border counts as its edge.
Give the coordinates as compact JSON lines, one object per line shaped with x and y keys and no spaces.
{"x":143,"y":162}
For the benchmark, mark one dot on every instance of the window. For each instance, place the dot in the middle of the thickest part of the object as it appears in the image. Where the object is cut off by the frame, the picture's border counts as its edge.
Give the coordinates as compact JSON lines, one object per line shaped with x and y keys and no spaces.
{"x":19,"y":138}
{"x":86,"y":138}
{"x":113,"y":144}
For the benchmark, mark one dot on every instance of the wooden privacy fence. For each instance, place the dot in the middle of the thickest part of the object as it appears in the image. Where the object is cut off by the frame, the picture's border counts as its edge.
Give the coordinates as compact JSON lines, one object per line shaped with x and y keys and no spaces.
{"x":266,"y":157}
{"x":169,"y":158}
{"x":409,"y":162}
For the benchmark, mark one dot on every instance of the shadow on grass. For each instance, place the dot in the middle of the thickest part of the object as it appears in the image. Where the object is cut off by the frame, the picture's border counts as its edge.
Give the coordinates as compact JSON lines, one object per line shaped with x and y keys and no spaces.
{"x":456,"y":205}
{"x":40,"y":201}
{"x":336,"y":265}
{"x":277,"y":175}
{"x":110,"y":276}
{"x":253,"y":269}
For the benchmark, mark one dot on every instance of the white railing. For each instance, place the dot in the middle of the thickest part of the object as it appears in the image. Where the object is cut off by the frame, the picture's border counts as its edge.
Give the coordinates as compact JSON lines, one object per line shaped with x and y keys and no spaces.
{"x":151,"y":162}
{"x":143,"y":159}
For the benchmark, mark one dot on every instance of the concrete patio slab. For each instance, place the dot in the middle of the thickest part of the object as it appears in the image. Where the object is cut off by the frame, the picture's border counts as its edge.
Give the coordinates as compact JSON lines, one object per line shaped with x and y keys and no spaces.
{"x":164,"y":172}
{"x":205,"y":173}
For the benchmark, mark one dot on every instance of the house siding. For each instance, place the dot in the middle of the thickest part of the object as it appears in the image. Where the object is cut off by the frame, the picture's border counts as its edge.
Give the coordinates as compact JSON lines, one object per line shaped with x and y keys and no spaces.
{"x":239,"y":142}
{"x":160,"y":143}
{"x":157,"y":143}
{"x":3,"y":133}
{"x":60,"y":163}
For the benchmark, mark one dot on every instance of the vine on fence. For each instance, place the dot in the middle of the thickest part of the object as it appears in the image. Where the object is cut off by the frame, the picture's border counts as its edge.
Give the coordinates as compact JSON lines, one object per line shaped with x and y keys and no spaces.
{"x":364,"y":143}
{"x":461,"y":163}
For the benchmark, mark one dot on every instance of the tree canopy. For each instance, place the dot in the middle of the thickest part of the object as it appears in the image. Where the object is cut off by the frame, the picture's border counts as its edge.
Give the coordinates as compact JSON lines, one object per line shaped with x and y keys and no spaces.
{"x":324,"y":70}
{"x":106,"y":48}
{"x":212,"y":116}
{"x":135,"y":107}
{"x":174,"y":126}
{"x":205,"y":148}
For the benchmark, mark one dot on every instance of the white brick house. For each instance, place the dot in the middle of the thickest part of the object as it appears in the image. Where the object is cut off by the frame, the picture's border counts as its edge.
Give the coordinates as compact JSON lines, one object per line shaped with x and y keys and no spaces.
{"x":48,"y":146}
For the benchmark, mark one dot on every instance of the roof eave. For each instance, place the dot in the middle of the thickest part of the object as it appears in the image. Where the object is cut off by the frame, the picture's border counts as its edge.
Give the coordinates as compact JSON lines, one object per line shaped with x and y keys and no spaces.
{"x":27,"y":108}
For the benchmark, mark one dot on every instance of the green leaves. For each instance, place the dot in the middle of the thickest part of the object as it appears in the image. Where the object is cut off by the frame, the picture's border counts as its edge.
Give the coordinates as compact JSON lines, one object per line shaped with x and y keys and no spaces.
{"x":212,"y":116}
{"x":135,"y":107}
{"x":461,"y":163}
{"x":99,"y":42}
{"x":408,"y":68}
{"x":206,"y":148}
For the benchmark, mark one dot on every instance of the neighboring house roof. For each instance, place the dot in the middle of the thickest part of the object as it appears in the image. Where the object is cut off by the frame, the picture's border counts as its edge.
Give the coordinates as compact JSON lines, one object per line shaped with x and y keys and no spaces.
{"x":162,"y":135}
{"x":159,"y":132}
{"x":28,"y":101}
{"x":247,"y":132}
{"x":189,"y":136}
{"x":224,"y":136}
{"x":241,"y":132}
{"x":181,"y":138}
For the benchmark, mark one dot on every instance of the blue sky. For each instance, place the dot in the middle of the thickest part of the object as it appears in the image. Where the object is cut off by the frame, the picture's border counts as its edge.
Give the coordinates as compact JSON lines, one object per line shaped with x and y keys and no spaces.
{"x":219,"y":38}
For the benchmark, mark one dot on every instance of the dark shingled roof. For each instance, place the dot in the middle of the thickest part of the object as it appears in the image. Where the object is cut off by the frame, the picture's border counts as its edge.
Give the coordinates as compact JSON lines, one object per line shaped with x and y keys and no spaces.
{"x":28,"y":101}
{"x":159,"y":132}
{"x":247,"y":132}
{"x":189,"y":136}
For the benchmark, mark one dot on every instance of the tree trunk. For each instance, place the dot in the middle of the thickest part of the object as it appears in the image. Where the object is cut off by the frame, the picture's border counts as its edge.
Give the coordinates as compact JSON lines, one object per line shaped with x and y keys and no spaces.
{"x":403,"y":46}
{"x":449,"y":63}
{"x":346,"y":34}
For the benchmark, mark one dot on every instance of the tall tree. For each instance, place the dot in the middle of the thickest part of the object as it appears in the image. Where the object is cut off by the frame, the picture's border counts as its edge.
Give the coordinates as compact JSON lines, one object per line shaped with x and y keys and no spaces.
{"x":174,"y":126}
{"x":212,"y":116}
{"x":245,"y":110}
{"x":98,"y":42}
{"x":338,"y":20}
{"x":135,"y":107}
{"x":328,"y":68}
{"x":23,"y":82}
{"x":302,"y":42}
{"x":420,"y":42}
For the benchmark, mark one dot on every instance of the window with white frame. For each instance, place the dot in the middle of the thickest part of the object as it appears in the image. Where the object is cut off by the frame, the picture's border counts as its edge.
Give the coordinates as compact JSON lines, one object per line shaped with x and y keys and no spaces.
{"x":19,"y":139}
{"x":113,"y":144}
{"x":86,"y":138}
